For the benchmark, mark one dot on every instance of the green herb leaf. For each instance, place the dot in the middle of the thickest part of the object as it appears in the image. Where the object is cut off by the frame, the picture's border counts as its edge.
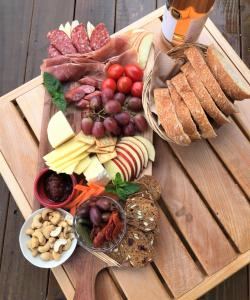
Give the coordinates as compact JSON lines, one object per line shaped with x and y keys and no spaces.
{"x":54,"y":87}
{"x":131,"y":188}
{"x":118,"y":179}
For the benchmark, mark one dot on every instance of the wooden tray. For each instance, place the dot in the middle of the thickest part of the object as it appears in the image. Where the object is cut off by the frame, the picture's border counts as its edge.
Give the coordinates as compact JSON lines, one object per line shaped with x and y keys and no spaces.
{"x":205,"y":214}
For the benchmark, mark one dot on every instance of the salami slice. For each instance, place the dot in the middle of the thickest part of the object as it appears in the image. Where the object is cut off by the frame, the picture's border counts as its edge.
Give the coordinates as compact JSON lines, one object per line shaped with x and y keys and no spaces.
{"x":99,"y":37}
{"x":61,"y":41}
{"x":91,"y":95}
{"x":78,"y":93}
{"x":80,"y":39}
{"x":53,"y":52}
{"x":89,"y":81}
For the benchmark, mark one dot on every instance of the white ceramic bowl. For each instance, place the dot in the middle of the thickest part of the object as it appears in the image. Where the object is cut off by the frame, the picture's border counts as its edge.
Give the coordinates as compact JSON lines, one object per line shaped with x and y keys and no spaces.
{"x":37,"y":261}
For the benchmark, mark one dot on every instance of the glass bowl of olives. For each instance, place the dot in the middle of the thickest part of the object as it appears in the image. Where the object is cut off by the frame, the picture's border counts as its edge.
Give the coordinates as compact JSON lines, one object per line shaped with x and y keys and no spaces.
{"x":100,"y":224}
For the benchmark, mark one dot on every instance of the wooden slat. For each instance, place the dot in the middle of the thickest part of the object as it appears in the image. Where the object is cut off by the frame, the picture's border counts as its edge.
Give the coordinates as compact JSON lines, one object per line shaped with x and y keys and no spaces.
{"x":15,"y":20}
{"x":140,"y":283}
{"x":217,"y":187}
{"x":47,"y":15}
{"x":111,"y":292}
{"x":54,"y":290}
{"x":96,"y":11}
{"x":15,"y":268}
{"x":22,"y":159}
{"x":187,"y":209}
{"x":33,"y":113}
{"x":172,"y":258}
{"x":245,"y":24}
{"x":242,"y":118}
{"x":4,"y":193}
{"x":237,"y":154}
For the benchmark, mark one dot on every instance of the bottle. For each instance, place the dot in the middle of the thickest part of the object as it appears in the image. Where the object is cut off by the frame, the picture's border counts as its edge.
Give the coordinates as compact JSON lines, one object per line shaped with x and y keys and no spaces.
{"x":183,"y":20}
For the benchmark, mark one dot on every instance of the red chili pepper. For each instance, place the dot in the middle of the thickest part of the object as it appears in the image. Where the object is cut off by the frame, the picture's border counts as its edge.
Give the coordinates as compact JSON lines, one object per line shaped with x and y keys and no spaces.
{"x":99,"y":239}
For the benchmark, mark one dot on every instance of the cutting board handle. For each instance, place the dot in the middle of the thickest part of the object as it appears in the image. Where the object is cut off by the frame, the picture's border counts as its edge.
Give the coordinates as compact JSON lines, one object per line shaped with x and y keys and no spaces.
{"x":86,"y":267}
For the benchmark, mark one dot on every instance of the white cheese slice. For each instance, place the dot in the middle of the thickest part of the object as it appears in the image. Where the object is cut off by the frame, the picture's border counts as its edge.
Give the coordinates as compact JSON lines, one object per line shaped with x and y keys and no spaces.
{"x":67,"y":29}
{"x":59,"y":130}
{"x":61,"y":167}
{"x":70,"y":169}
{"x":90,"y":28}
{"x":74,"y":24}
{"x":82,"y":165}
{"x":95,"y":173}
{"x":61,"y":27}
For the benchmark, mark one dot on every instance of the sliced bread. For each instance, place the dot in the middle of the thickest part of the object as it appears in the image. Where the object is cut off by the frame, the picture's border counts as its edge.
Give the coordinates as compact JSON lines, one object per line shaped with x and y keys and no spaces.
{"x":183,"y":113}
{"x":184,"y":90}
{"x":151,"y":185}
{"x":168,"y":118}
{"x":203,"y":96}
{"x":226,"y":74}
{"x":199,"y":64}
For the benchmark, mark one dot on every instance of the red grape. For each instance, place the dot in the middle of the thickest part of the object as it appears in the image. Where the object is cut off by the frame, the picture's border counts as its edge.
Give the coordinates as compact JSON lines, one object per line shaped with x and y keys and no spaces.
{"x":140,"y":123}
{"x":129,"y":130}
{"x":112,"y":107}
{"x":123,"y":118}
{"x":87,"y":125}
{"x":110,"y":124}
{"x":108,"y":93}
{"x":120,"y":97}
{"x":98,"y":129}
{"x":117,"y":131}
{"x":135,"y":104}
{"x":96,"y":103}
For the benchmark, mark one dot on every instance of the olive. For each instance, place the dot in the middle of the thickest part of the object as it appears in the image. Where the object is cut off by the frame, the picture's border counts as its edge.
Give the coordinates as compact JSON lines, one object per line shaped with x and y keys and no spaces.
{"x":83,"y":211}
{"x":103,"y":204}
{"x":106,"y":216}
{"x":95,"y":215}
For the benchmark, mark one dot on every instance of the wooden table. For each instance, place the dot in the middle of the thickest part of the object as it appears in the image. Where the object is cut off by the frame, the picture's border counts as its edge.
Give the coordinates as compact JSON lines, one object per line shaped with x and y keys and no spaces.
{"x":183,"y":204}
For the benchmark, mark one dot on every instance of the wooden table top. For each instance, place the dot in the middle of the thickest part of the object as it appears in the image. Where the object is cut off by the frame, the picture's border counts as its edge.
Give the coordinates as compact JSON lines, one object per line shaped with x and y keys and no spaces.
{"x":206,"y":190}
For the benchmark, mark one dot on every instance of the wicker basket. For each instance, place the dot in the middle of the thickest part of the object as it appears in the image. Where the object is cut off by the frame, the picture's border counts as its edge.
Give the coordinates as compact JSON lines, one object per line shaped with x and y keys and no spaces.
{"x":175,"y":53}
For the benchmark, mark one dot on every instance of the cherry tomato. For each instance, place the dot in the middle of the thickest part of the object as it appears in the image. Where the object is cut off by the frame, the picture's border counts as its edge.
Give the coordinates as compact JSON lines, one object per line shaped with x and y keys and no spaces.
{"x":124,"y":84}
{"x":134,"y":72}
{"x":137,"y":88}
{"x":115,"y":71}
{"x":109,"y":83}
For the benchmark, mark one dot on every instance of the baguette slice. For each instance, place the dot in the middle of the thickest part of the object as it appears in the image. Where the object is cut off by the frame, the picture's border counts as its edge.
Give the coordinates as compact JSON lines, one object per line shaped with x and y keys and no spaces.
{"x":168,"y":118}
{"x":184,"y":90}
{"x":183,"y":113}
{"x":231,"y":82}
{"x":203,"y":96}
{"x":199,"y":64}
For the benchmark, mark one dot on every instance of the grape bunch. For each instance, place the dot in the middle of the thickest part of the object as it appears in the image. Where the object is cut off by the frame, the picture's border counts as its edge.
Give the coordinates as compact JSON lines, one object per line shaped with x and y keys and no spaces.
{"x":113,"y":113}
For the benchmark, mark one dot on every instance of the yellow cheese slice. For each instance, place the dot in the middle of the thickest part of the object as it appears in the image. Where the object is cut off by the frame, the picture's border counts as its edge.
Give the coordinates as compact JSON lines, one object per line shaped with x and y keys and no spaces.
{"x":69,"y":157}
{"x":82,"y":165}
{"x":70,"y":169}
{"x":105,"y":157}
{"x":65,"y":149}
{"x":59,"y":130}
{"x":88,"y":139}
{"x":63,"y":166}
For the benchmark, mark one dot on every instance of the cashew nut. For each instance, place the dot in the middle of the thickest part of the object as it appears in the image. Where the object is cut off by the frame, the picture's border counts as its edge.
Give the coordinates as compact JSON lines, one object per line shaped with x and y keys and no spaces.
{"x":71,"y":235}
{"x":46,"y":223}
{"x":29,"y":231}
{"x":67,"y":246}
{"x":44,"y":248}
{"x":47,"y":230}
{"x":61,"y":235}
{"x":56,"y":232}
{"x":40,"y":236}
{"x":69,"y":220}
{"x":29,"y":244}
{"x":45,"y":256}
{"x":58,"y":245}
{"x":34,"y":252}
{"x":63,"y":224}
{"x":52,"y":242}
{"x":34,"y":242}
{"x":45,"y":213}
{"x":56,"y":255}
{"x":55,"y":217}
{"x":36,"y":223}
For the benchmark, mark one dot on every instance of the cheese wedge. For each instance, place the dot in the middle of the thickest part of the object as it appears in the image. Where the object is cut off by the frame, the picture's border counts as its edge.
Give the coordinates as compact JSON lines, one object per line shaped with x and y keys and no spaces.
{"x":70,"y":169}
{"x":90,"y":28}
{"x":60,"y":168}
{"x":96,"y":173}
{"x":82,"y":165}
{"x":88,"y":139}
{"x":59,"y":130}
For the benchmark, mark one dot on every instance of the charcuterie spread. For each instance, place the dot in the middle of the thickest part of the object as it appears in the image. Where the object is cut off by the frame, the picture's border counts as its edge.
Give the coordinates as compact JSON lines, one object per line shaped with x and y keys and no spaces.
{"x":105,"y":95}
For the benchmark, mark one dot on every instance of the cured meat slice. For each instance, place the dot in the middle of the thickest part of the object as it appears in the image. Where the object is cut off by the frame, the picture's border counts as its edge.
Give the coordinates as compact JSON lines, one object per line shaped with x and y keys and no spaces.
{"x":61,"y":41}
{"x":91,"y":95}
{"x":79,"y":92}
{"x":90,"y":81}
{"x":53,"y":52}
{"x":99,"y":37}
{"x":80,"y":39}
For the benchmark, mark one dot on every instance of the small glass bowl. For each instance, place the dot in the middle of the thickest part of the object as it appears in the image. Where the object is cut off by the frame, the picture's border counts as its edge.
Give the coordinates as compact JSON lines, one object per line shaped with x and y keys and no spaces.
{"x":108,"y":245}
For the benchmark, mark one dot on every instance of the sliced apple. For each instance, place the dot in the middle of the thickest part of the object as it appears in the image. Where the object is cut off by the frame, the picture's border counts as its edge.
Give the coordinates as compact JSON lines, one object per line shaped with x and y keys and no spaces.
{"x":123,"y":167}
{"x":127,"y":161}
{"x":148,"y":145}
{"x":143,"y":149}
{"x":112,"y":167}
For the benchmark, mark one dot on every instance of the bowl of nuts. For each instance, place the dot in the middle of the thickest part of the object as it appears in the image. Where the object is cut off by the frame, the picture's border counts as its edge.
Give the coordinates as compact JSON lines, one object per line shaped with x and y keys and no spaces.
{"x":46,"y":238}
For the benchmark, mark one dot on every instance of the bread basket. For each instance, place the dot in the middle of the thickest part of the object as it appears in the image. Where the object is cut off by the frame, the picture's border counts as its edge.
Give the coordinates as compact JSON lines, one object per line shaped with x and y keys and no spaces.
{"x":176,"y":53}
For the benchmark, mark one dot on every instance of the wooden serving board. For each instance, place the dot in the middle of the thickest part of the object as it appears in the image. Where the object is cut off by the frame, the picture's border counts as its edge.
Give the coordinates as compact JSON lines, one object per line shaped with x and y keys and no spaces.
{"x":205,"y":209}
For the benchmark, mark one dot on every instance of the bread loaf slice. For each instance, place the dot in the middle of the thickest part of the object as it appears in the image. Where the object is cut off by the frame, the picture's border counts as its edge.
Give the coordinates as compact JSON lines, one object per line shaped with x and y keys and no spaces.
{"x":203,"y":96}
{"x":223,"y":70}
{"x":183,"y":113}
{"x":168,"y":118}
{"x":184,"y":90}
{"x":199,"y":64}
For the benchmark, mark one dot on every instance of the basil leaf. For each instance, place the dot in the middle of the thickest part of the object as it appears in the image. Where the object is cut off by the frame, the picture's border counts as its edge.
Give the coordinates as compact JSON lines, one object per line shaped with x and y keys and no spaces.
{"x":59,"y":101}
{"x":118,"y":179}
{"x":110,"y":189}
{"x":121,"y":193}
{"x":131,"y":188}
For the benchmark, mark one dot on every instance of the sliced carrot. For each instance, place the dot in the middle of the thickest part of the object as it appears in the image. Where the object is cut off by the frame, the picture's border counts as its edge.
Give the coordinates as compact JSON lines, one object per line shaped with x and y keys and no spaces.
{"x":80,"y":187}
{"x":73,"y":210}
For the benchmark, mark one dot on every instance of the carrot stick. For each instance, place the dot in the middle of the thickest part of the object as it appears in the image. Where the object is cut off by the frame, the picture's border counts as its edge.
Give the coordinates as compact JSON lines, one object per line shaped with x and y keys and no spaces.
{"x":80,"y":187}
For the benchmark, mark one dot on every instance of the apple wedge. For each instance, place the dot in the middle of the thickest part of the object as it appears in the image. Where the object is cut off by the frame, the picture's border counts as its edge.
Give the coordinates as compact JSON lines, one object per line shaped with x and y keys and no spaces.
{"x":148,"y":145}
{"x":127,"y":161}
{"x":112,"y":167}
{"x":143,"y":149}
